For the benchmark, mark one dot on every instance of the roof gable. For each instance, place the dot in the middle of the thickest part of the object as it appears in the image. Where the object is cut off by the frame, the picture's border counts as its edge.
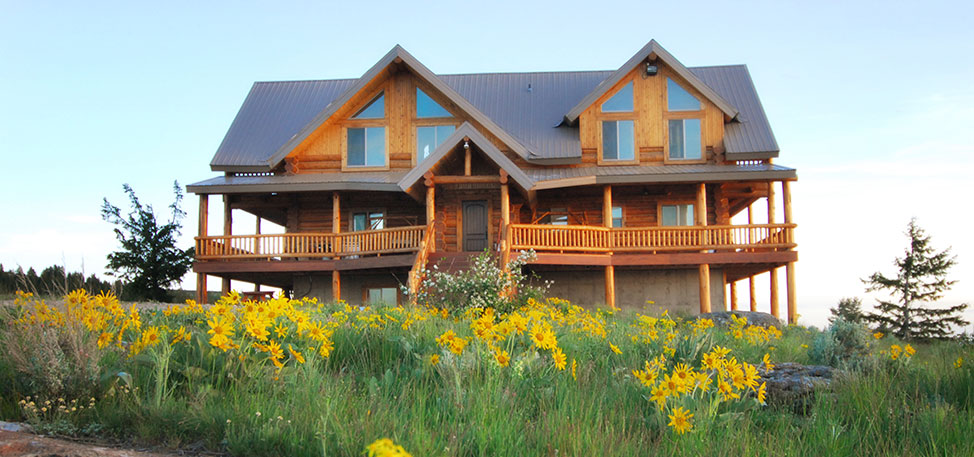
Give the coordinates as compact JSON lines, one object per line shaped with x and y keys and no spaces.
{"x":396,"y":55}
{"x":466,"y":132}
{"x":652,"y":50}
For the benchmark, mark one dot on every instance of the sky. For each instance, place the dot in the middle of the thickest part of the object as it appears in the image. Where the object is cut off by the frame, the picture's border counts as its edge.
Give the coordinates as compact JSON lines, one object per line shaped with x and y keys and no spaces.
{"x":872,"y":103}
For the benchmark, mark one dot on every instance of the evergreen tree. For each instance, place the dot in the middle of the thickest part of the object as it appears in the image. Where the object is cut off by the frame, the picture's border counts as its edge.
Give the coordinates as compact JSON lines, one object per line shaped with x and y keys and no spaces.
{"x":921,"y":279}
{"x":849,"y":310}
{"x":149,"y":260}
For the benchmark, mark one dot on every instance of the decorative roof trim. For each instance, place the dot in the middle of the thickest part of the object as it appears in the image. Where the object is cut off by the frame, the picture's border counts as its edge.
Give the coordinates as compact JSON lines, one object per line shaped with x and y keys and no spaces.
{"x":397,"y":54}
{"x":466,"y":131}
{"x":652,"y":50}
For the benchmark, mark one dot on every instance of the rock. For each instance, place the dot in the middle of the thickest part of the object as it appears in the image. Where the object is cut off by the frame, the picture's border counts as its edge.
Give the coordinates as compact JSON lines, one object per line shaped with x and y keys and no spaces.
{"x":753,"y":318}
{"x":14,"y":427}
{"x":793,"y":384}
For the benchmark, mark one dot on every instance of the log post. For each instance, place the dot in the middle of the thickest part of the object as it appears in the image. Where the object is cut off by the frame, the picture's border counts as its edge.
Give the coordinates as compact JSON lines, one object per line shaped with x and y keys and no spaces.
{"x":752,"y":293}
{"x":610,"y":270}
{"x":790,"y":266}
{"x":336,"y":228}
{"x":430,"y":205}
{"x":467,"y":158}
{"x":733,"y":295}
{"x":774,"y":271}
{"x":704,"y":269}
{"x":227,"y":231}
{"x":201,"y":277}
{"x":257,"y":248}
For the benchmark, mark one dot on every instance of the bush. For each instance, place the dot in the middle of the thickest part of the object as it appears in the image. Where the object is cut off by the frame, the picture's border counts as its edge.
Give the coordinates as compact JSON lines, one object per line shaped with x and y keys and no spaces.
{"x":484,"y":285}
{"x":843,"y":345}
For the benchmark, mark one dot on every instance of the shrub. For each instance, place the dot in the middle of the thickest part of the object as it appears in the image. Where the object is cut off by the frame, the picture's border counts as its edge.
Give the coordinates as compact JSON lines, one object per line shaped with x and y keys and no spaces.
{"x":843,"y":345}
{"x":483,"y":285}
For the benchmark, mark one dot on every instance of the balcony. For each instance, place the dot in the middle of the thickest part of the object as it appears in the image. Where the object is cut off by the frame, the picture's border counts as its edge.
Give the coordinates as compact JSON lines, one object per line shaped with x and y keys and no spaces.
{"x":310,"y":246}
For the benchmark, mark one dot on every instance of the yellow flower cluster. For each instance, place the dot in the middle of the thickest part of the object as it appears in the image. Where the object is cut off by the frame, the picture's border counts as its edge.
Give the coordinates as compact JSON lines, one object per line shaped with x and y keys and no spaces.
{"x":895,"y":352}
{"x":753,"y":334}
{"x":384,"y":447}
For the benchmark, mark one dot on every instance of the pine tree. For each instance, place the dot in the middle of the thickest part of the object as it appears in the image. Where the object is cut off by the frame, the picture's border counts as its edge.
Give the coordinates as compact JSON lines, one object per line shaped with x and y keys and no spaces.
{"x":149,"y":260}
{"x":921,"y":279}
{"x":849,"y":310}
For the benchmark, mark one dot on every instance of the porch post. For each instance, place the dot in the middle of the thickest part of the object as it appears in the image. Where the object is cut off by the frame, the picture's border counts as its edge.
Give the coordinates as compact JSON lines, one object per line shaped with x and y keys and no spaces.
{"x":227,"y":231}
{"x":430,"y":204}
{"x":610,"y":270}
{"x":336,"y":228}
{"x":257,"y":248}
{"x":733,"y":295}
{"x":774,"y":271}
{"x":704,"y":269}
{"x":201,"y":277}
{"x":505,"y":220}
{"x":790,"y":266}
{"x":753,"y":296}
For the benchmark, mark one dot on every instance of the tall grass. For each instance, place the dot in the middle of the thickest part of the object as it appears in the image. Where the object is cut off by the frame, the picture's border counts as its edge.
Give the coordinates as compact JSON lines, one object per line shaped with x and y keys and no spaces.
{"x":379,"y":382}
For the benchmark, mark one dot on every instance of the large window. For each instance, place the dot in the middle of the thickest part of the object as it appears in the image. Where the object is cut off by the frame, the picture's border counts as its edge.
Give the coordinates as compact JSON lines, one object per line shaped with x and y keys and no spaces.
{"x":376,"y":109}
{"x":618,"y":132}
{"x":366,"y":147}
{"x":558,"y":216}
{"x":618,"y":140}
{"x":427,"y":107}
{"x":685,"y":139}
{"x":683,"y":123}
{"x":676,"y":215}
{"x":428,"y":138}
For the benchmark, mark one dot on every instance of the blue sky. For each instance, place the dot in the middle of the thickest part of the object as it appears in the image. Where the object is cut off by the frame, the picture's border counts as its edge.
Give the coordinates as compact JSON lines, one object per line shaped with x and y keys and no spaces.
{"x":872,"y":102}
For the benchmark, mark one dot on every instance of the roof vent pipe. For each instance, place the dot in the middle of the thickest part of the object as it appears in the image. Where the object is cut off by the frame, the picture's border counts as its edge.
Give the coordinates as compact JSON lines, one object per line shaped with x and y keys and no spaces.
{"x":529,"y":87}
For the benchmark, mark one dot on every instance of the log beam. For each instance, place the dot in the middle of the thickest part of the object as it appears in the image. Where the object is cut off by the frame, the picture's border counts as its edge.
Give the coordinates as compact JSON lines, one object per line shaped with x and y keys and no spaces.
{"x":774,"y":271}
{"x":790,"y":266}
{"x":704,"y":269}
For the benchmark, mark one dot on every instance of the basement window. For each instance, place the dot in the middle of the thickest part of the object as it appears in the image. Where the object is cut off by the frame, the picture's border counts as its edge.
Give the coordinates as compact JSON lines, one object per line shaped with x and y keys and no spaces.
{"x":378,"y":296}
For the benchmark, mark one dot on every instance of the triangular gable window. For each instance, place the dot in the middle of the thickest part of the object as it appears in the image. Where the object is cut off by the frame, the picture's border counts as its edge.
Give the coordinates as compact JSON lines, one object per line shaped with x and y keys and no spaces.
{"x":678,"y":99}
{"x":376,"y":109}
{"x":427,"y":107}
{"x":620,"y":102}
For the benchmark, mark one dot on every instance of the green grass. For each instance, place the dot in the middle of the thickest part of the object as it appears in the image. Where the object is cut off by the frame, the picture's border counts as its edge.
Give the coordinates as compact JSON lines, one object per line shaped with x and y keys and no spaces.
{"x":379,"y":383}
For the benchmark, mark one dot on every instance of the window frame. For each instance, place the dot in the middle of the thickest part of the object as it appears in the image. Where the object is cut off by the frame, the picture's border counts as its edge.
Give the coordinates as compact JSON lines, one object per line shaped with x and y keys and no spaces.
{"x":683,"y":115}
{"x":633,"y":116}
{"x":440,"y":122}
{"x":417,"y":121}
{"x":351,"y":123}
{"x":368,"y":212}
{"x":367,"y":286}
{"x":622,"y":216}
{"x":659,"y":211}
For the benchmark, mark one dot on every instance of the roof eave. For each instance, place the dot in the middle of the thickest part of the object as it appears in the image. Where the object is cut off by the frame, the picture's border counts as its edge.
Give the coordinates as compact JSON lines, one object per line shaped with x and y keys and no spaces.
{"x":696,"y":177}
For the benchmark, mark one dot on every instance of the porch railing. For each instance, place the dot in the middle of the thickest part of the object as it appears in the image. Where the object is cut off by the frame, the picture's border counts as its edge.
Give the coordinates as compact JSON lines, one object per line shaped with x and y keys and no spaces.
{"x":583,"y":238}
{"x":310,"y":245}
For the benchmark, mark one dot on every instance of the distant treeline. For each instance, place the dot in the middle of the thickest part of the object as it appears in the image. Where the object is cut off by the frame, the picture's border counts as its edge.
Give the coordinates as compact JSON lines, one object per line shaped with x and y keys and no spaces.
{"x":53,"y":281}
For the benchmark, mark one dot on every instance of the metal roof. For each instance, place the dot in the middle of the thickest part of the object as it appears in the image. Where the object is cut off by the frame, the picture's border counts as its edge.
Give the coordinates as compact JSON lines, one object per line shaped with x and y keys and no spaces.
{"x":552,"y":178}
{"x":377,"y":181}
{"x":749,"y":136}
{"x":526,"y":107}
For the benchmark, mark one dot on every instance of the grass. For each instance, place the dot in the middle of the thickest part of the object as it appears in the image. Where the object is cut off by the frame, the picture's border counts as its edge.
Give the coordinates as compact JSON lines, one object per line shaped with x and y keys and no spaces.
{"x":378,"y":382}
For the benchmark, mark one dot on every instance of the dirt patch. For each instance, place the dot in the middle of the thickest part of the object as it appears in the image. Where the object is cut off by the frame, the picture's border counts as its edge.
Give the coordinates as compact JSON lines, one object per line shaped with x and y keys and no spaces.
{"x":22,"y":444}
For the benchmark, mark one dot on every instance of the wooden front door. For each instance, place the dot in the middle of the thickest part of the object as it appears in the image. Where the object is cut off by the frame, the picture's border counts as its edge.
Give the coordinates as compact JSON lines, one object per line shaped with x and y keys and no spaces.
{"x":474,"y":225}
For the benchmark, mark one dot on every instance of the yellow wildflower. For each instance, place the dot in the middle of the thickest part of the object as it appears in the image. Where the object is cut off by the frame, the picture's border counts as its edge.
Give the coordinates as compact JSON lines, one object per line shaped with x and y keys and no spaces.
{"x":574,"y":366}
{"x":560,"y":358}
{"x":768,"y":366}
{"x":680,"y":420}
{"x":959,"y":362}
{"x":296,"y":355}
{"x":878,"y":335}
{"x":659,"y":395}
{"x":615,"y":349}
{"x":434,"y":359}
{"x":909,"y":351}
{"x":386,"y":448}
{"x":762,"y":392}
{"x":503,"y":358}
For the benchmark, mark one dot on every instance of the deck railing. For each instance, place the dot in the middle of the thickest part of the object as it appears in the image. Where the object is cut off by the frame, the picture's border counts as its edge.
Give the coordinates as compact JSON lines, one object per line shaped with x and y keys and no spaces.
{"x":310,"y":245}
{"x":583,"y":238}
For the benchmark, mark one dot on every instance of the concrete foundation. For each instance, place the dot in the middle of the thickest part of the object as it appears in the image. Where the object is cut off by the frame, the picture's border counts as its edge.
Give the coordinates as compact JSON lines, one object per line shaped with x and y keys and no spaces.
{"x":353,"y":284}
{"x":675,"y":290}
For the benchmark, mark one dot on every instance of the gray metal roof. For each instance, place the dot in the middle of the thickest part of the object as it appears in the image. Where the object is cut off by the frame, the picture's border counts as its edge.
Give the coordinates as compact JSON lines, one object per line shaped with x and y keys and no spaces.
{"x":275,"y":112}
{"x":552,"y":178}
{"x":749,"y":136}
{"x":377,"y":181}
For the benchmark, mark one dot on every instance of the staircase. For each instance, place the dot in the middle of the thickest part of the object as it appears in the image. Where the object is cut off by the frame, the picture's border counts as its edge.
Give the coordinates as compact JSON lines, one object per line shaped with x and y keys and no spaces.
{"x":452,"y":262}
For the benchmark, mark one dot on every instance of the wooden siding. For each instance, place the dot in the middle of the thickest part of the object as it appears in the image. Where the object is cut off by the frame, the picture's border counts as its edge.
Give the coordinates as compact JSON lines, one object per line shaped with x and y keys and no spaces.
{"x":312,"y":212}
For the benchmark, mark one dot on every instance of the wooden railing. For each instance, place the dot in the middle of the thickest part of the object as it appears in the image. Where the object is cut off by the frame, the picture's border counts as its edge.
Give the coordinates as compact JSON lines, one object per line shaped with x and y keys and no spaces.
{"x":583,"y":238}
{"x":310,"y":245}
{"x":425,"y":247}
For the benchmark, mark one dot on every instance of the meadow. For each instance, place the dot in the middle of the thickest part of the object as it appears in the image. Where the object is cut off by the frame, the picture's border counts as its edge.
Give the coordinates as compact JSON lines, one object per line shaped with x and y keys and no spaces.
{"x":299,"y":377}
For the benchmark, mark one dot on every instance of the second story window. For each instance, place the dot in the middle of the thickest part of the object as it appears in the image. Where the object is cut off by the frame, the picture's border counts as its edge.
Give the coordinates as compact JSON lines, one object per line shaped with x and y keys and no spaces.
{"x":676,"y":215}
{"x":617,"y":216}
{"x":558,"y":216}
{"x":433,"y":124}
{"x":684,"y":119}
{"x":368,"y":220}
{"x":365,"y":136}
{"x":619,"y":126}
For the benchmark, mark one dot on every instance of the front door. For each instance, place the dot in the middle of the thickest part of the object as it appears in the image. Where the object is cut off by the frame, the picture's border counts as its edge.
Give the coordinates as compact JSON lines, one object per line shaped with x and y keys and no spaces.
{"x":474,"y":225}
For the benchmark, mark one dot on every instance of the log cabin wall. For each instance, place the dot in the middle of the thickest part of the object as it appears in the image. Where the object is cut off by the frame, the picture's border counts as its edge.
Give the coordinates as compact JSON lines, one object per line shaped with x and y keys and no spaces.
{"x":640,"y":204}
{"x":312,"y":211}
